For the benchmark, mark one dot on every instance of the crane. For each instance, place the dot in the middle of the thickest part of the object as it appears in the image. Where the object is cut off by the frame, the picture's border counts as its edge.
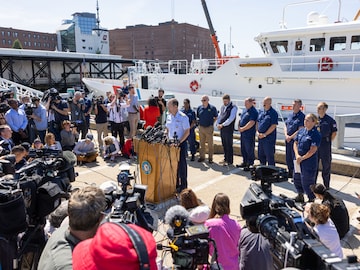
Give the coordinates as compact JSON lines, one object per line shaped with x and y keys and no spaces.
{"x":212,"y":31}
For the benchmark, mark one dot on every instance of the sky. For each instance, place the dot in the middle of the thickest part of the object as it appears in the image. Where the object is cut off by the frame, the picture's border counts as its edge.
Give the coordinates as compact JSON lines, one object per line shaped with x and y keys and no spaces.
{"x":236,"y":22}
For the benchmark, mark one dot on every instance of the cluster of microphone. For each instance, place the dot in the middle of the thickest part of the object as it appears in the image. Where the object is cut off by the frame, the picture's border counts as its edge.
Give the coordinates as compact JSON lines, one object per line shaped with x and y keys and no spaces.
{"x":157,"y":134}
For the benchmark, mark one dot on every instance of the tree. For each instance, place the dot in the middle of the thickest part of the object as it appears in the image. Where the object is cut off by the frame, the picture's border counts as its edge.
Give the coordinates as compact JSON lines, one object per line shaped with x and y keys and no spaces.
{"x":17,"y":44}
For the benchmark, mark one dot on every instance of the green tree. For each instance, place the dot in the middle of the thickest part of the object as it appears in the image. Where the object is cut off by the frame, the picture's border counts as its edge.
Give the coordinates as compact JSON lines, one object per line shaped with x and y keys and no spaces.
{"x":17,"y":44}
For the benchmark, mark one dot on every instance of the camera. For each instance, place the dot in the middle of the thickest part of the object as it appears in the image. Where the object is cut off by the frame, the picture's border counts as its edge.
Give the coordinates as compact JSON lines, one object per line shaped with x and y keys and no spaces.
{"x":292,"y":244}
{"x":4,"y":107}
{"x":97,"y":100}
{"x":6,"y":94}
{"x":188,"y":243}
{"x":29,"y":108}
{"x":128,"y":203}
{"x":51,"y":94}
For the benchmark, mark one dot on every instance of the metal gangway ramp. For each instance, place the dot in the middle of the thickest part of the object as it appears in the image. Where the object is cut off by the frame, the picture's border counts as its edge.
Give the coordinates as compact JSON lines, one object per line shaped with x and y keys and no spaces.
{"x":19,"y":89}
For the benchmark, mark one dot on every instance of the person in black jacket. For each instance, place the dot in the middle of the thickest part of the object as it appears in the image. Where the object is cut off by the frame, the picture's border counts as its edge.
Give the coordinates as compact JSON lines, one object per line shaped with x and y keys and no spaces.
{"x":338,"y":211}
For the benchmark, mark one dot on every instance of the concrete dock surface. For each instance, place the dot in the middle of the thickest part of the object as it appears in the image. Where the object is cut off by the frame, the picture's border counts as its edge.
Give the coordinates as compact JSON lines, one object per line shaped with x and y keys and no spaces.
{"x":209,"y":179}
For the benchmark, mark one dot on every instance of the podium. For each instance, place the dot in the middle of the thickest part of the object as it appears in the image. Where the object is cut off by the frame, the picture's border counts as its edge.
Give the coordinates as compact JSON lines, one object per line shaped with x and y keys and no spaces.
{"x":158,"y":169}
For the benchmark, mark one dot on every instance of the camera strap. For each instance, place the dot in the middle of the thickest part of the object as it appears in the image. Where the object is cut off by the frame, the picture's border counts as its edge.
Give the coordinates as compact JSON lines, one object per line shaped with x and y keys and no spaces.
{"x":139,"y":246}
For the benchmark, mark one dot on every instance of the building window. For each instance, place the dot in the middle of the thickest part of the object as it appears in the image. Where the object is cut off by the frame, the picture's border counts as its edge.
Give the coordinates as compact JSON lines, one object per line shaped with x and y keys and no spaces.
{"x":9,"y":42}
{"x":3,"y":41}
{"x":9,"y":34}
{"x":2,"y":33}
{"x":298,"y":45}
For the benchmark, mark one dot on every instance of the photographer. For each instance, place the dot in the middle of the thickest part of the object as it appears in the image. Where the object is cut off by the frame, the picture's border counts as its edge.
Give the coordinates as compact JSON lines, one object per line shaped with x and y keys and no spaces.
{"x":101,"y":111}
{"x":85,"y":150}
{"x":39,"y":117}
{"x":20,"y":153}
{"x":112,"y":248}
{"x":17,"y":121}
{"x":118,"y":116}
{"x":87,"y":108}
{"x":85,"y":212}
{"x":69,"y":136}
{"x":254,"y":248}
{"x":77,"y":108}
{"x":58,"y":111}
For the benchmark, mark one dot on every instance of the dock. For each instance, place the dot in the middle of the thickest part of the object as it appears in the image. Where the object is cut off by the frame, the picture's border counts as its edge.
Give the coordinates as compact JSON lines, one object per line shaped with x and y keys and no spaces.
{"x":209,"y":179}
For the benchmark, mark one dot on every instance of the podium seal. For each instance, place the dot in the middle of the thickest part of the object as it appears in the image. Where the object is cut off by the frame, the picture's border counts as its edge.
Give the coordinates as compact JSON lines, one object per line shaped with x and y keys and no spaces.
{"x":146,"y":167}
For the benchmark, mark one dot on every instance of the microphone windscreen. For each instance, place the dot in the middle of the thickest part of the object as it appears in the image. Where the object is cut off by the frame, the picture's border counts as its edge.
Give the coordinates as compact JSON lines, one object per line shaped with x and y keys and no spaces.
{"x":70,"y":157}
{"x":176,"y":212}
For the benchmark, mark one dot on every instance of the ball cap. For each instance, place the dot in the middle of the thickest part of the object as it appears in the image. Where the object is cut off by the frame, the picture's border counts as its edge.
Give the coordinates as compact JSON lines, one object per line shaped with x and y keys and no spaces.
{"x":89,"y":136}
{"x":111,"y":248}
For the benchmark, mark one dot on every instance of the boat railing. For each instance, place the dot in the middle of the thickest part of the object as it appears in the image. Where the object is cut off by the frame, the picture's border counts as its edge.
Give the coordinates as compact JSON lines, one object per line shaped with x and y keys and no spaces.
{"x":320,"y":62}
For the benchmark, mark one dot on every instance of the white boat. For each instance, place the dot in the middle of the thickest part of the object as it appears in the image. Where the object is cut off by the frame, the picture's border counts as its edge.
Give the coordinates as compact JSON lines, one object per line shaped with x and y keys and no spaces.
{"x":319,"y":62}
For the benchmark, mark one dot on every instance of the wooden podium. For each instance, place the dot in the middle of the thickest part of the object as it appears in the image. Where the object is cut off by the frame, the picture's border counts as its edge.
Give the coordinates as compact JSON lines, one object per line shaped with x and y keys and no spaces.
{"x":158,"y":169}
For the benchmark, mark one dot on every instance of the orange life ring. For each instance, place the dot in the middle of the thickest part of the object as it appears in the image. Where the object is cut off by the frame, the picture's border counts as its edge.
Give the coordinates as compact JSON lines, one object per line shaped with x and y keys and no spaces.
{"x":325,"y":64}
{"x":194,"y":86}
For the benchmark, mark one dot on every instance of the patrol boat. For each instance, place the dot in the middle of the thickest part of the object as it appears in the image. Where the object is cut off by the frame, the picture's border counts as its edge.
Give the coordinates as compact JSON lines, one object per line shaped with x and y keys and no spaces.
{"x":318,"y":62}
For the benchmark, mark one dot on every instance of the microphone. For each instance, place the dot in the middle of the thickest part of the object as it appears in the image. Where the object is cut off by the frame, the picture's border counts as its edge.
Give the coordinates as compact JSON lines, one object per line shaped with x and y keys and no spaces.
{"x":146,"y":131}
{"x":177,"y":217}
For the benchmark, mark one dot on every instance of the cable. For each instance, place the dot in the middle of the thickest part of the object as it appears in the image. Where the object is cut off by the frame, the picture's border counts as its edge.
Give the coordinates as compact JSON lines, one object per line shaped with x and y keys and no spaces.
{"x":351,"y":178}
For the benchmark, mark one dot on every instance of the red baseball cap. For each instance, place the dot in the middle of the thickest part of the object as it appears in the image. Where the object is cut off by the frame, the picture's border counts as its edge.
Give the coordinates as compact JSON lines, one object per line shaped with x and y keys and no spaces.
{"x":111,"y":248}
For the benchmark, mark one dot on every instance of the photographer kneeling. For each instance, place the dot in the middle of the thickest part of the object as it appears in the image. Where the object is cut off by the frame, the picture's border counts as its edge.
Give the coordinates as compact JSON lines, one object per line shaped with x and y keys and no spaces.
{"x":85,"y":150}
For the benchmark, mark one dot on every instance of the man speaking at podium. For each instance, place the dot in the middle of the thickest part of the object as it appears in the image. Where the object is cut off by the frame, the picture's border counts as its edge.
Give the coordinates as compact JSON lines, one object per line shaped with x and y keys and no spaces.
{"x":178,"y":129}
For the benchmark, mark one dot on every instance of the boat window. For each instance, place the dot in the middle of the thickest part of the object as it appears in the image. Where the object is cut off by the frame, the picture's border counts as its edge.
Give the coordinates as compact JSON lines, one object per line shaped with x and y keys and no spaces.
{"x":298,"y":45}
{"x":337,"y":43}
{"x":355,"y":43}
{"x":264,"y":48}
{"x":280,"y":46}
{"x":317,"y":44}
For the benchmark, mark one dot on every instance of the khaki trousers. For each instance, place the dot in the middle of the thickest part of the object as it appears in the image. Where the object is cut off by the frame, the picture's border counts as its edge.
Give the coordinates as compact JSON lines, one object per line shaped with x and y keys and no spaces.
{"x":206,"y":136}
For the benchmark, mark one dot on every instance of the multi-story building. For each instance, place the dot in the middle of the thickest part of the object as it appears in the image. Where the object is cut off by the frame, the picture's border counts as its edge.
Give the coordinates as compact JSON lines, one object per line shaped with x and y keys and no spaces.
{"x":10,"y":38}
{"x":82,"y":34}
{"x":166,"y":41}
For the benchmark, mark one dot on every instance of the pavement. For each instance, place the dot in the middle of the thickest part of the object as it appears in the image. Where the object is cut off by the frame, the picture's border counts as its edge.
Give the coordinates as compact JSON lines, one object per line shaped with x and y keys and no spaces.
{"x":209,"y":179}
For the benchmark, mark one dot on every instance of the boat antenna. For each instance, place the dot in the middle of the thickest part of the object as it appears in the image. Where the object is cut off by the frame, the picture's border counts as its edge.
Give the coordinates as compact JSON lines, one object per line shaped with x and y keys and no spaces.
{"x":283,"y":25}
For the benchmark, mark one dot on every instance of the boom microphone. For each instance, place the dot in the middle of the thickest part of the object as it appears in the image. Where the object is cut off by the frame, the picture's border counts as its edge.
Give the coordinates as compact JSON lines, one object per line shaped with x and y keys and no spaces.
{"x":177,"y":216}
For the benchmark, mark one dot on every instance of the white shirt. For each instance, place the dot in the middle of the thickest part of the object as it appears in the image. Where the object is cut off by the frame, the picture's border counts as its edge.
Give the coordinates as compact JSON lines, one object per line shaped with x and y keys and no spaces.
{"x":329,"y":236}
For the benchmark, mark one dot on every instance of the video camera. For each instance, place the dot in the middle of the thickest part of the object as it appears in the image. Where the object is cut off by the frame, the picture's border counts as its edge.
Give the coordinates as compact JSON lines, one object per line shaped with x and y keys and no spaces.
{"x":188,"y":243}
{"x":51,"y":93}
{"x":6,"y":94}
{"x":292,"y":244}
{"x":128,"y":203}
{"x":29,"y":108}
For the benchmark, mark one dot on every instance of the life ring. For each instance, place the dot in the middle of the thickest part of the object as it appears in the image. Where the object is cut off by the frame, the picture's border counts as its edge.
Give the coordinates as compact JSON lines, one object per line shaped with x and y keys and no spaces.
{"x":325,"y":64}
{"x":194,"y":86}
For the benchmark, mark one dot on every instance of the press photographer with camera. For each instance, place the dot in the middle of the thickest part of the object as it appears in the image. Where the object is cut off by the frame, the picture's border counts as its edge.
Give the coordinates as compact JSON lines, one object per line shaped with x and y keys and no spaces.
{"x":77,"y":108}
{"x":85,"y":150}
{"x":69,"y":136}
{"x":58,"y":111}
{"x":254,"y":248}
{"x":85,"y":213}
{"x":39,"y":117}
{"x":118,"y":116}
{"x":17,"y":121}
{"x":100,"y":111}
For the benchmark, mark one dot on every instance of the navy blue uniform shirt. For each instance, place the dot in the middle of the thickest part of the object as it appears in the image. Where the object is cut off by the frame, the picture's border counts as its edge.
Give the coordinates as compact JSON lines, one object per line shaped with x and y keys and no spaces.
{"x":294,"y":121}
{"x":246,"y":117}
{"x":266,"y":119}
{"x":206,"y":115}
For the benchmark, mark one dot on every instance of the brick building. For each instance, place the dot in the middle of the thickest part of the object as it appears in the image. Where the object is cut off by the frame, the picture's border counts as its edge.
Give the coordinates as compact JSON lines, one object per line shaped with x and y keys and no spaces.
{"x":28,"y":39}
{"x":166,"y":41}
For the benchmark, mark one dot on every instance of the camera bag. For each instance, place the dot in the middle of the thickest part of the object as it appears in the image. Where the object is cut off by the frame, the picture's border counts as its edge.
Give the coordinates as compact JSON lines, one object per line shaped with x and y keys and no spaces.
{"x":48,"y":198}
{"x":12,"y":212}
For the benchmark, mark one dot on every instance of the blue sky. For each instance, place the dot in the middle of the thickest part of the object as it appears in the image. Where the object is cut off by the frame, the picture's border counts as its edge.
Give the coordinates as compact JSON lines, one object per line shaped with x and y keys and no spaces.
{"x":235,"y":21}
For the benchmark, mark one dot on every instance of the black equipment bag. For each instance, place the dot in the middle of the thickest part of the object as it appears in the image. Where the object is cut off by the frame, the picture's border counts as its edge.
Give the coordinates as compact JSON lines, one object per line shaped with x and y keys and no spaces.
{"x":48,"y":198}
{"x":12,"y":213}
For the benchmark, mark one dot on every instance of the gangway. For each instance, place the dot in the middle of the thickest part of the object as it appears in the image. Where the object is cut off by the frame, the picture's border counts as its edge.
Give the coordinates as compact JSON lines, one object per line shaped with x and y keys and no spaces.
{"x":19,"y":89}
